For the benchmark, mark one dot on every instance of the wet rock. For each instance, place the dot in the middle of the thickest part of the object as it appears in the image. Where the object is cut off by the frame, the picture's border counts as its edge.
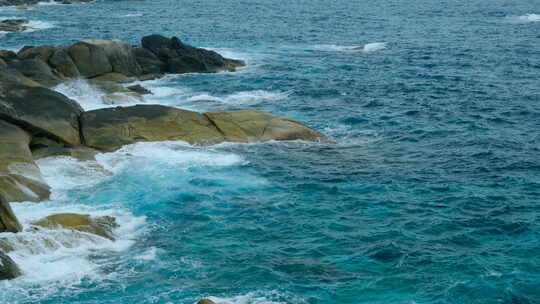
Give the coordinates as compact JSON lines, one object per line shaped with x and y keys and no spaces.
{"x":149,"y":62}
{"x":43,"y":147}
{"x":111,"y":128}
{"x":20,"y":178}
{"x":8,"y":269}
{"x":253,"y":125}
{"x":139,"y":89}
{"x":102,"y":226}
{"x":13,"y":25}
{"x":114,"y":77}
{"x":41,"y":111}
{"x":205,"y":301}
{"x":8,"y":220}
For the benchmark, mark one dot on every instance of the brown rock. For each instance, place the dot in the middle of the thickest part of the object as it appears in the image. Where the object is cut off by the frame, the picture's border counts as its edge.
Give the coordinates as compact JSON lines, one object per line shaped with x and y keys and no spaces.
{"x":102,"y":226}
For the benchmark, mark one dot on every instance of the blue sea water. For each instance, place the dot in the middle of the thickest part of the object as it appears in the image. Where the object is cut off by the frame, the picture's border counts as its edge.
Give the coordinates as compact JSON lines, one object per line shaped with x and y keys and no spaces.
{"x":429,"y":194}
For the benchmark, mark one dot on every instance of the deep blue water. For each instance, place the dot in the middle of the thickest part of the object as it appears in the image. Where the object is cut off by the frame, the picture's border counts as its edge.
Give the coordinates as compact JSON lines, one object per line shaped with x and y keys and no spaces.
{"x":430,"y":194}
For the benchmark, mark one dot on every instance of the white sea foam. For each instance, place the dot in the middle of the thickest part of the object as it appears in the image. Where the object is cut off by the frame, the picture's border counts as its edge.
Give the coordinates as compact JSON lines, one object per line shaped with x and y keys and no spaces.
{"x":177,"y":153}
{"x":243,"y":98}
{"x":367,"y":48}
{"x":91,"y":97}
{"x":254,"y":298}
{"x":36,"y":25}
{"x":132,"y":15}
{"x":527,"y":18}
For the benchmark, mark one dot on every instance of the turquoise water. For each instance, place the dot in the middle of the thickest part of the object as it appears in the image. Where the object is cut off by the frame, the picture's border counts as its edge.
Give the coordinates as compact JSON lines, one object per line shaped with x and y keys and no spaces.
{"x":430,"y":193}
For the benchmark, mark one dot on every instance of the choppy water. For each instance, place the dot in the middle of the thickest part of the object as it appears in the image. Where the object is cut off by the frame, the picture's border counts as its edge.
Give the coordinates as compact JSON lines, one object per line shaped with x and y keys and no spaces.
{"x":431,"y":193}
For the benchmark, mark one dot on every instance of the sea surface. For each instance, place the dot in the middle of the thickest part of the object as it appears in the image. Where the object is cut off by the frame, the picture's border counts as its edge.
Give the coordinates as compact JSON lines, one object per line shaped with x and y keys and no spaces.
{"x":429,"y":194}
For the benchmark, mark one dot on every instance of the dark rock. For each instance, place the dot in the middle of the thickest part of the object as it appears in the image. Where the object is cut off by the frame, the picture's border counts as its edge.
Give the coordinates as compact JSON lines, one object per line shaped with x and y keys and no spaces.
{"x":63,"y":64}
{"x":41,"y":111}
{"x":13,"y":25}
{"x":149,"y":62}
{"x":139,"y":89}
{"x":205,"y":301}
{"x":111,"y":128}
{"x":42,"y":53}
{"x":120,"y":55}
{"x":8,"y":220}
{"x":91,"y":60}
{"x":7,"y":56}
{"x":3,"y":64}
{"x":20,"y":178}
{"x":8,"y":269}
{"x":42,"y":147}
{"x":36,"y":70}
{"x":182,"y":58}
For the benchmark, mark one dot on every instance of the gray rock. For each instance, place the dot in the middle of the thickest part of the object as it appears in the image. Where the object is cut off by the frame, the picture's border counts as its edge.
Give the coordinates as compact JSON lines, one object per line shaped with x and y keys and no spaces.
{"x":91,"y":60}
{"x":62,"y":62}
{"x":8,"y":269}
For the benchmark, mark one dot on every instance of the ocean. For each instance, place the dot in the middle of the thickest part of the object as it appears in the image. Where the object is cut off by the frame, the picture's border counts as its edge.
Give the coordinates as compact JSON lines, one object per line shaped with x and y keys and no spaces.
{"x":429,"y":192}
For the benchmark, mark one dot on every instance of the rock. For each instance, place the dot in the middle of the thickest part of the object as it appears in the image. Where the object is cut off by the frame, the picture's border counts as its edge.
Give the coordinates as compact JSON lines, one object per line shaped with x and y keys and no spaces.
{"x":3,"y":65}
{"x":120,"y":55}
{"x":41,"y":111}
{"x":114,"y":77}
{"x":13,"y":25}
{"x":20,"y":178}
{"x":205,"y":301}
{"x":8,"y":220}
{"x":253,"y":125}
{"x":36,"y":70}
{"x":139,"y":89}
{"x":42,"y":147}
{"x":102,"y":226}
{"x":14,"y":77}
{"x":42,"y":53}
{"x":7,"y":56}
{"x":8,"y":269}
{"x":62,"y":62}
{"x":149,"y":62}
{"x":111,"y":128}
{"x":182,"y":58}
{"x":91,"y":59}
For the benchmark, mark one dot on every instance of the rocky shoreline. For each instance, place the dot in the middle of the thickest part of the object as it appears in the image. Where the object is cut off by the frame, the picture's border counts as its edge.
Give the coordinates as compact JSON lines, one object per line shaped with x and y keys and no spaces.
{"x":37,"y":122}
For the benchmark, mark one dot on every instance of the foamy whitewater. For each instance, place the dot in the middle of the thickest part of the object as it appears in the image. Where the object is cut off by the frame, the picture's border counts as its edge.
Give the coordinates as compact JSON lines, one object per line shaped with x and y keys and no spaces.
{"x":427,"y":194}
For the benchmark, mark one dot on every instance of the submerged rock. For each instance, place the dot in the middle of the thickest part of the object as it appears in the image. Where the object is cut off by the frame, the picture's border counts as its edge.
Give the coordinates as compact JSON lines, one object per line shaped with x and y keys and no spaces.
{"x":8,"y":269}
{"x":102,"y":226}
{"x":13,"y":25}
{"x":8,"y":220}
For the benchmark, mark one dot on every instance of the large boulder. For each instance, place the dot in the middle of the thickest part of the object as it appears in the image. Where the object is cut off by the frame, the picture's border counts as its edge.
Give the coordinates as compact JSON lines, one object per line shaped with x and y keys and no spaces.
{"x":20,"y":178}
{"x":8,"y":269}
{"x":8,"y":220}
{"x":102,"y":225}
{"x":91,"y":59}
{"x":182,"y":58}
{"x":111,"y":128}
{"x":42,"y":53}
{"x":149,"y":62}
{"x":41,"y":111}
{"x":253,"y":125}
{"x":36,"y":70}
{"x":121,"y":56}
{"x":61,"y":61}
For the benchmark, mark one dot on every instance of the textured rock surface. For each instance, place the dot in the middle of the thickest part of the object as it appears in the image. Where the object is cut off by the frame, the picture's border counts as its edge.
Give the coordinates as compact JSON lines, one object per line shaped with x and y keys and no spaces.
{"x":20,"y":178}
{"x":111,"y":128}
{"x":8,"y":220}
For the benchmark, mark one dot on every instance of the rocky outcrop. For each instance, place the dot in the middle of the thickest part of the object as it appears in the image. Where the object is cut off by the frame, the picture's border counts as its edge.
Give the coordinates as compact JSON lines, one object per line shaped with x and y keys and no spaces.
{"x":113,"y":60}
{"x":253,"y":126}
{"x":205,"y":301}
{"x":8,"y":269}
{"x":102,"y":226}
{"x":8,"y":220}
{"x":20,"y":178}
{"x":111,"y":128}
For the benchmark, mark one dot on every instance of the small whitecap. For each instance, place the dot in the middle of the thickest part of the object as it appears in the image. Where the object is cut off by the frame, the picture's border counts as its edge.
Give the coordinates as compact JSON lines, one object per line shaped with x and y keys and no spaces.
{"x":244,"y":97}
{"x":367,"y":48}
{"x":132,"y":15}
{"x":527,"y":18}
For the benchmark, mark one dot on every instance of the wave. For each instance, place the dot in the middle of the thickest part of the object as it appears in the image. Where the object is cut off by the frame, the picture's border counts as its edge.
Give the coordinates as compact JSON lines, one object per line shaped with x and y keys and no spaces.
{"x":33,"y":25}
{"x":367,"y":48}
{"x":90,"y":97}
{"x":243,"y":97}
{"x":132,"y":15}
{"x":272,"y":297}
{"x":527,"y":18}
